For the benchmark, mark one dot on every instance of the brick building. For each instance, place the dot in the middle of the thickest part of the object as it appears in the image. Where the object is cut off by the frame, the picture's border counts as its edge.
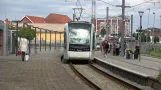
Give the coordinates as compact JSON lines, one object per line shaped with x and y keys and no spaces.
{"x":114,"y":25}
{"x":149,"y":31}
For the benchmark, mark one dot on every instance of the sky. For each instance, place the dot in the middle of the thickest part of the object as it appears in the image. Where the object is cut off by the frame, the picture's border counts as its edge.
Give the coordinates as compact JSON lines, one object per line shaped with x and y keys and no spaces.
{"x":17,"y":9}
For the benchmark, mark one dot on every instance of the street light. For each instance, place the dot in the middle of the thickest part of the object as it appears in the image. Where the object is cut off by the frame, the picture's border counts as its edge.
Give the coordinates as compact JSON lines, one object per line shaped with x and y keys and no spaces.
{"x":160,"y":28}
{"x":140,"y":14}
{"x":147,"y":25}
{"x":153,"y":26}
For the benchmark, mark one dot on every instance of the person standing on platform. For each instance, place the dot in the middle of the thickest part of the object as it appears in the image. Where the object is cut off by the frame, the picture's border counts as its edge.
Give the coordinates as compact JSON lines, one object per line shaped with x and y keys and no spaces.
{"x":117,"y":48}
{"x":105,"y":47}
{"x":114,"y":47}
{"x":137,"y":51}
{"x":125,"y":48}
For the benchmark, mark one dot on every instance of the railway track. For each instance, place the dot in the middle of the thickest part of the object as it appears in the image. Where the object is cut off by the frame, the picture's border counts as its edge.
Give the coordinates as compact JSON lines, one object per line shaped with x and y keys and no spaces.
{"x":106,"y":80}
{"x":115,"y":78}
{"x":91,"y":84}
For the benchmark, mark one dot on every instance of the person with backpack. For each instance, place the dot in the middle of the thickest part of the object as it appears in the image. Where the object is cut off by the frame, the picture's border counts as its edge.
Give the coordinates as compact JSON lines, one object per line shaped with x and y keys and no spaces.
{"x":105,"y":47}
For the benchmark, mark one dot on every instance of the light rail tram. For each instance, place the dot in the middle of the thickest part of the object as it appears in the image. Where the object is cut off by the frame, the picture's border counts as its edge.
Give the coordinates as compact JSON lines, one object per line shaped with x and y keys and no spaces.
{"x":79,"y":41}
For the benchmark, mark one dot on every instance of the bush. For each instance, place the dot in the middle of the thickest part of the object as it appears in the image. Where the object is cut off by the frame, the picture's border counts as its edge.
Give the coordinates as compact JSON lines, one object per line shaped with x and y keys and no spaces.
{"x":151,"y":49}
{"x":159,"y":76}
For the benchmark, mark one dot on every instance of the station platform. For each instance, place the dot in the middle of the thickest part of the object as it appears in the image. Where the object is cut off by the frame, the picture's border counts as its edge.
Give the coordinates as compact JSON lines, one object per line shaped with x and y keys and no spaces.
{"x":147,"y":66}
{"x":43,"y":71}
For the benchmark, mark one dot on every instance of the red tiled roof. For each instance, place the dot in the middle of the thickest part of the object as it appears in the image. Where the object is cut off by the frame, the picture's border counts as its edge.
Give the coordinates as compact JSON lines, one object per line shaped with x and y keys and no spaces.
{"x":7,"y":21}
{"x":35,"y":19}
{"x":57,"y":18}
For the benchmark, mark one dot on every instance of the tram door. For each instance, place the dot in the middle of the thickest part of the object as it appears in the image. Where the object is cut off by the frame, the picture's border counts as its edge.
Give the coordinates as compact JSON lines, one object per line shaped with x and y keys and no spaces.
{"x":1,"y":42}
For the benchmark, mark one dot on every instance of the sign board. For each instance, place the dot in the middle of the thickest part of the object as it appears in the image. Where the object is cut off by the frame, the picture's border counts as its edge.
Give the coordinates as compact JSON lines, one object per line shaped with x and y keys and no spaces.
{"x":1,"y":24}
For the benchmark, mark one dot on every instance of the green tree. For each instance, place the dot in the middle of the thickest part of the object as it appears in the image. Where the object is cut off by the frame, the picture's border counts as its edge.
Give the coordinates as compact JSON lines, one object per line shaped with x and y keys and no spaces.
{"x":156,"y":39}
{"x":27,"y":33}
{"x":143,"y":37}
{"x":119,"y":35}
{"x":103,"y":32}
{"x":148,"y":38}
{"x":135,"y":35}
{"x":11,"y":27}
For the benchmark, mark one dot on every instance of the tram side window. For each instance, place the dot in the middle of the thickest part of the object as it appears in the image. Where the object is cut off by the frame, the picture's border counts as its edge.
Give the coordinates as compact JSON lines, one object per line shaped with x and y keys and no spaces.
{"x":93,"y":40}
{"x":65,"y":41}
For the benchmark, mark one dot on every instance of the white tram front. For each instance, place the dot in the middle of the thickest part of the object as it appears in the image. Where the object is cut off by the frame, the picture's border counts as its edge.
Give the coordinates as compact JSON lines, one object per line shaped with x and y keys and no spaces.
{"x":79,"y":41}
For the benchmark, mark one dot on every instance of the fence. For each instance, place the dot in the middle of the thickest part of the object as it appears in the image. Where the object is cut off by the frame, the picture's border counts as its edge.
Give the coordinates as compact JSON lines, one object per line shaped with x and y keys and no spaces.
{"x":146,"y":46}
{"x":45,"y":39}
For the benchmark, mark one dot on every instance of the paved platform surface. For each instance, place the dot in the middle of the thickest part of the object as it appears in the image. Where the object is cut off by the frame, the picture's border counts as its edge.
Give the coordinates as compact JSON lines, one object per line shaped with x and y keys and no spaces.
{"x":147,"y":66}
{"x":42,"y":72}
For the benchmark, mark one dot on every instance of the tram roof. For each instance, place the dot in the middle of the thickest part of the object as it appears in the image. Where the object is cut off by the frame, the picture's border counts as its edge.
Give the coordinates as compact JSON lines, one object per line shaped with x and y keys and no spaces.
{"x":80,"y":22}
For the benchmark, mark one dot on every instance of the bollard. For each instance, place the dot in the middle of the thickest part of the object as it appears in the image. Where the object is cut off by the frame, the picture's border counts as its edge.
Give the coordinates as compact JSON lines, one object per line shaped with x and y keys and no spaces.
{"x":50,"y":40}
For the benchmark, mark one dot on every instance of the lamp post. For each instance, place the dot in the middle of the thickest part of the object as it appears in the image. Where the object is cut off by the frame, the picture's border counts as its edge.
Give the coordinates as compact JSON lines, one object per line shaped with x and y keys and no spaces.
{"x":140,"y":14}
{"x":160,"y":28}
{"x":147,"y":25}
{"x":153,"y":26}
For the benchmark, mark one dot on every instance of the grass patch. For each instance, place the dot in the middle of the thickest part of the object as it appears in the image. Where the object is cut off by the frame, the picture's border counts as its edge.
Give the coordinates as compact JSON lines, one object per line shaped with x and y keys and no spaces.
{"x":155,"y":52}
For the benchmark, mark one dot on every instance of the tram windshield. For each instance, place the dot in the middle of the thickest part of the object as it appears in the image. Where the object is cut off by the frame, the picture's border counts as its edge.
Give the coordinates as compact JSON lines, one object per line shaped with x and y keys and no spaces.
{"x":79,"y":34}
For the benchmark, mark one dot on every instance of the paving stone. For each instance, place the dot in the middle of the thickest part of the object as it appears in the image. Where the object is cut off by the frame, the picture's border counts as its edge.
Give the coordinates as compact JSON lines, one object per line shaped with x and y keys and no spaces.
{"x":41,"y":72}
{"x":146,"y":66}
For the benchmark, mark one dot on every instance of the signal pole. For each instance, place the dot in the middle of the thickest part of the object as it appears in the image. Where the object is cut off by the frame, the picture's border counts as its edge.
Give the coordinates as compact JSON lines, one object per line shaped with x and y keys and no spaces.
{"x":123,"y":26}
{"x":93,"y":11}
{"x":131,"y":31}
{"x":107,"y":24}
